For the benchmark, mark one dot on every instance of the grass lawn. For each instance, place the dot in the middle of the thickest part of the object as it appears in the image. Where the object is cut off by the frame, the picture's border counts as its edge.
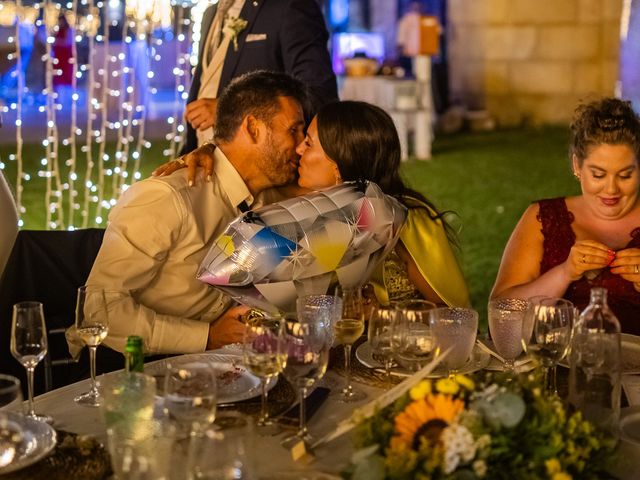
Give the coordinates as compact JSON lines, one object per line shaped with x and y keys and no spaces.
{"x":488,"y":179}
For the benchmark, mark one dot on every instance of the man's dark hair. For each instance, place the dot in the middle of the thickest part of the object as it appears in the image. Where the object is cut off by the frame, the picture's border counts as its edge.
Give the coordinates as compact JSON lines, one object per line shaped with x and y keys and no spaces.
{"x":255,"y":93}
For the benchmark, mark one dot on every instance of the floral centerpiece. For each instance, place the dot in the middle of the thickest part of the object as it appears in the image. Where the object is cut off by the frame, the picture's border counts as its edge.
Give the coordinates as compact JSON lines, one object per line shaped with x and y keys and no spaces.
{"x":458,"y":428}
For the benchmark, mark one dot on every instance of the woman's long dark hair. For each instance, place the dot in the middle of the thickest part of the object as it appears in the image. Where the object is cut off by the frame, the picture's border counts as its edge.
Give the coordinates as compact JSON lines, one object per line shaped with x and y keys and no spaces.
{"x":362,"y":139}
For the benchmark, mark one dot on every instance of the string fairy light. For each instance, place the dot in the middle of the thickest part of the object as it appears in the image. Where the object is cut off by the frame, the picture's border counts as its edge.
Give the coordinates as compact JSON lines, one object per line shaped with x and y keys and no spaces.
{"x":120,"y":77}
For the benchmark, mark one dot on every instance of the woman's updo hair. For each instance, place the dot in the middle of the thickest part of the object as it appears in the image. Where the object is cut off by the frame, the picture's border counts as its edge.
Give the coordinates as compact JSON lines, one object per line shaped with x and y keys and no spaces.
{"x":608,"y":120}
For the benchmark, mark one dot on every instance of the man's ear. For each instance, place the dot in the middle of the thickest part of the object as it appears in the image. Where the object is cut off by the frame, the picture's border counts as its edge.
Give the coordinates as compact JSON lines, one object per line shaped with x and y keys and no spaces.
{"x":253,"y":128}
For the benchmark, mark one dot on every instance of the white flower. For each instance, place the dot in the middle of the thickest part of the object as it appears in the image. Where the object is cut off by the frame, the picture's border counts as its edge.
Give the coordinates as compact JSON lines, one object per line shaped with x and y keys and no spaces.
{"x":459,"y":446}
{"x":479,"y":468}
{"x":232,"y":27}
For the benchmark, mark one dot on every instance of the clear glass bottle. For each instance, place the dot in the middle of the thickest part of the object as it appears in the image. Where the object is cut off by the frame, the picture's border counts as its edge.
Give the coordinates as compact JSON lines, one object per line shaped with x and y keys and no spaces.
{"x":134,"y":354}
{"x":595,"y":364}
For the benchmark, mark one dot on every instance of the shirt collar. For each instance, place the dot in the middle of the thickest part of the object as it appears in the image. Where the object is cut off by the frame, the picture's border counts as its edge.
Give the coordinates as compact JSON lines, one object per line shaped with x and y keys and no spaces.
{"x":230,"y":180}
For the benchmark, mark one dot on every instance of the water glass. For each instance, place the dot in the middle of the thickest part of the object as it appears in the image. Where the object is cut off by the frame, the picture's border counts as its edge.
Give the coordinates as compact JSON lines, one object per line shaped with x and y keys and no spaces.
{"x":454,"y":329}
{"x":348,"y":329}
{"x":190,"y":395}
{"x":10,"y":394}
{"x":224,"y":450}
{"x":264,"y":355}
{"x":91,"y":328}
{"x":549,"y":343}
{"x":381,"y":332}
{"x":506,"y":320}
{"x":29,"y":344}
{"x":11,"y":436}
{"x":414,"y":347}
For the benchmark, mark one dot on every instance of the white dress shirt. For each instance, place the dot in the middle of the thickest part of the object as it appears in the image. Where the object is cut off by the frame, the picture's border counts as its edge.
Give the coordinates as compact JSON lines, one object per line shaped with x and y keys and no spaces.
{"x":159,"y":232}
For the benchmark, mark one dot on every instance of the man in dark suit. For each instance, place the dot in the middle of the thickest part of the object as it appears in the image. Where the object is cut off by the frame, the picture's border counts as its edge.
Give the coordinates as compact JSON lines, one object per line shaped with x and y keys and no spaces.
{"x":240,"y":36}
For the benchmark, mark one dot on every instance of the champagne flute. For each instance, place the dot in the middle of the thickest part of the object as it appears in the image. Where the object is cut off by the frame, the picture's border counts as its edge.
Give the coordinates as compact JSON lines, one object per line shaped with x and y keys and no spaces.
{"x":414,"y":345}
{"x":454,"y":329}
{"x":190,"y":395}
{"x":264,"y":354}
{"x":92,"y":328}
{"x":381,"y":336}
{"x":506,"y":320}
{"x":308,"y":344}
{"x":553,"y":320}
{"x":29,"y":344}
{"x":348,"y":329}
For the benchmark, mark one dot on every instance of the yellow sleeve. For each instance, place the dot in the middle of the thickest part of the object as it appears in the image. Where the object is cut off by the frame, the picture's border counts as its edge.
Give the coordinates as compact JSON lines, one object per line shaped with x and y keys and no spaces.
{"x":427,"y":243}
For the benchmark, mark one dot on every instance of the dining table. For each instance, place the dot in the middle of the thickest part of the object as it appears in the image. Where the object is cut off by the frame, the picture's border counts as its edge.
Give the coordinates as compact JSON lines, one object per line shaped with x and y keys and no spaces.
{"x":269,"y":458}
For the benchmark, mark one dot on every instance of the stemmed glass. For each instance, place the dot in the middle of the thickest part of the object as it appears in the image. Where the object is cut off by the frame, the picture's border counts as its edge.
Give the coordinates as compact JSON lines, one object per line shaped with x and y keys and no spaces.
{"x":348,"y":329}
{"x":506,"y":320}
{"x":92,"y":328}
{"x":29,"y":344}
{"x":265,"y":355}
{"x":413,"y":347}
{"x":190,"y":395}
{"x":308,"y":343}
{"x":454,"y":329}
{"x":553,"y":320}
{"x":382,"y":324}
{"x":11,"y":438}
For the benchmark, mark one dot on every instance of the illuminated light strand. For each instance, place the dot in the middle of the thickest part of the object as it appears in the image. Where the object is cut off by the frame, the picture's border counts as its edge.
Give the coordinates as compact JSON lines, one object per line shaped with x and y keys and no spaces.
{"x":177,"y":141}
{"x":74,"y":113}
{"x":19,"y":139}
{"x":103,"y":117}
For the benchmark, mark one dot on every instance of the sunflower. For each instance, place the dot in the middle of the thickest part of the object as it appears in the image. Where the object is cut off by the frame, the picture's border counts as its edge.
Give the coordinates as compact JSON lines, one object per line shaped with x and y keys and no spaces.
{"x":425,"y":419}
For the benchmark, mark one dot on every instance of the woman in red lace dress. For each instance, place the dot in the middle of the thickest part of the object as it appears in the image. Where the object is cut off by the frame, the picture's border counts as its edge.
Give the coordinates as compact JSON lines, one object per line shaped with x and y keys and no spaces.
{"x":565,"y":246}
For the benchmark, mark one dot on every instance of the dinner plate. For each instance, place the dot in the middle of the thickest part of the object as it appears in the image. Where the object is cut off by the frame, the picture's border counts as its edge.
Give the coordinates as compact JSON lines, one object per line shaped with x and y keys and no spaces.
{"x":38,"y":439}
{"x":234,"y":382}
{"x":524,"y":363}
{"x":630,"y":354}
{"x":478,"y":360}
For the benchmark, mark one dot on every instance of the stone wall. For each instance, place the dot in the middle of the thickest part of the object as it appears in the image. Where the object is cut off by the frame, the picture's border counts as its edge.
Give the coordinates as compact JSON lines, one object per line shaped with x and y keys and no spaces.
{"x":532,"y":61}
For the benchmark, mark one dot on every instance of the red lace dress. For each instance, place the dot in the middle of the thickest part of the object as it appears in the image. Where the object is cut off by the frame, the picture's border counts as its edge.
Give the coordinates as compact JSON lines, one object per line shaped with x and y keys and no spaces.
{"x":623,"y":299}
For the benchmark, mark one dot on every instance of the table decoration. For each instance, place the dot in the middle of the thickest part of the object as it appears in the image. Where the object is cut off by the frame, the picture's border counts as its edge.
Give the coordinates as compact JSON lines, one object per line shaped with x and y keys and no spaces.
{"x":269,"y":257}
{"x":495,"y":426}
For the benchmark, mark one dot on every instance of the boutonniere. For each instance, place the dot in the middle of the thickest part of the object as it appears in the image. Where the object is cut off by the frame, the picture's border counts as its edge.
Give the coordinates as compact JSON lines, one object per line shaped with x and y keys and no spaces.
{"x":232,"y":27}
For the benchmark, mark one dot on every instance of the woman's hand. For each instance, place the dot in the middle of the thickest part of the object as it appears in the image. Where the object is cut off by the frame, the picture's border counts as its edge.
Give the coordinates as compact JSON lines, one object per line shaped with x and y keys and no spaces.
{"x":587,"y":255}
{"x":201,"y":157}
{"x":627,"y":265}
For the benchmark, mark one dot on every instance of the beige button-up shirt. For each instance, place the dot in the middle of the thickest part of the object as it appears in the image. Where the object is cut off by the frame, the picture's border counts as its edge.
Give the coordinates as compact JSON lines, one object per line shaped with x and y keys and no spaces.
{"x":158,"y":233}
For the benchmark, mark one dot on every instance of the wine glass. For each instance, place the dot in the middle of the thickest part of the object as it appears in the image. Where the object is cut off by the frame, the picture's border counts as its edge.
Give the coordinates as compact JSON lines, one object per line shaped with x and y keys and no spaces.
{"x":553,"y":320}
{"x":529,"y":319}
{"x":506,"y":320}
{"x":348,"y":329}
{"x":10,"y":394}
{"x":29,"y":344}
{"x":190,"y":395}
{"x":381,"y":332}
{"x":264,"y":354}
{"x":454,"y":329}
{"x":92,"y":329}
{"x":414,"y":346}
{"x":308,"y":343}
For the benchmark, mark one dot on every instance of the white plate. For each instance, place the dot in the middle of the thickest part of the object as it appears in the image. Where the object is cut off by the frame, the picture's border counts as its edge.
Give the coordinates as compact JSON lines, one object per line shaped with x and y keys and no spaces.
{"x":234,"y":381}
{"x":524,"y":363}
{"x":630,"y":354}
{"x":38,"y":440}
{"x":478,"y":360}
{"x":630,"y":424}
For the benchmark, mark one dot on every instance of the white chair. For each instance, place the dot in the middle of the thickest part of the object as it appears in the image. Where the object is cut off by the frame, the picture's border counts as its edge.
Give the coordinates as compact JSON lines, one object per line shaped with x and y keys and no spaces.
{"x":8,"y":222}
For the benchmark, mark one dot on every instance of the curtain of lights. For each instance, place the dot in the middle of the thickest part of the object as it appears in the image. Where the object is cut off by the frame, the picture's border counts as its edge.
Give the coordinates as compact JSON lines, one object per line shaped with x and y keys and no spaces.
{"x":87,"y":162}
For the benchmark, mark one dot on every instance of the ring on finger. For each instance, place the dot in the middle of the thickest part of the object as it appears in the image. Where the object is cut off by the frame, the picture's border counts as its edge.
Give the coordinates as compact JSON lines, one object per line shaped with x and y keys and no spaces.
{"x":583,"y":259}
{"x":180,"y":161}
{"x":635,"y":269}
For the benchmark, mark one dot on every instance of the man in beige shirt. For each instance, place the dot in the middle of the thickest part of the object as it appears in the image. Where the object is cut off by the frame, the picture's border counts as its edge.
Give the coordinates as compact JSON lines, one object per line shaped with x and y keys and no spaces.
{"x":162,"y":228}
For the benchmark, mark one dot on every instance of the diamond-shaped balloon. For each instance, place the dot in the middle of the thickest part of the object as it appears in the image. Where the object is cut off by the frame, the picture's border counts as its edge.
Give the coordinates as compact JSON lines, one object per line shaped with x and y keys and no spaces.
{"x":269,"y":257}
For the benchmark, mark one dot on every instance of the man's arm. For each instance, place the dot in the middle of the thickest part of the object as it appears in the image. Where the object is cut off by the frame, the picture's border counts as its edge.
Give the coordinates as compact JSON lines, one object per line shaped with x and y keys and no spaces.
{"x":304,"y":37}
{"x":144,"y":226}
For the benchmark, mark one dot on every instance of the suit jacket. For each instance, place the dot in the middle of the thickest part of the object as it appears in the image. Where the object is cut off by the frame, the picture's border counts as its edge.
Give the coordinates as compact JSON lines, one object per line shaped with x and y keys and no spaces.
{"x":288,"y":36}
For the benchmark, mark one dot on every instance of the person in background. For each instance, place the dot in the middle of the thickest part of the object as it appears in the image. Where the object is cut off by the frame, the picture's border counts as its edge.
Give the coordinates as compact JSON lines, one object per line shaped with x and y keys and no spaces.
{"x":349,"y":141}
{"x":161,"y":228}
{"x":239,"y":36}
{"x":562,"y":247}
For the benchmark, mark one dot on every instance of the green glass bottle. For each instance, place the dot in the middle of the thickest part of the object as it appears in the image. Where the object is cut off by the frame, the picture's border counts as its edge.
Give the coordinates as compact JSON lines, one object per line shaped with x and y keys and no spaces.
{"x":134,"y":354}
